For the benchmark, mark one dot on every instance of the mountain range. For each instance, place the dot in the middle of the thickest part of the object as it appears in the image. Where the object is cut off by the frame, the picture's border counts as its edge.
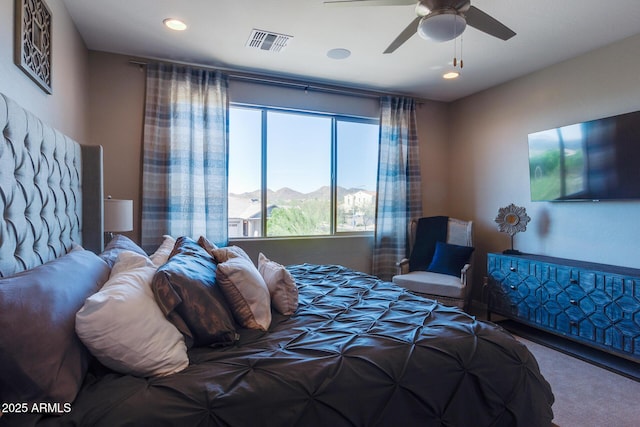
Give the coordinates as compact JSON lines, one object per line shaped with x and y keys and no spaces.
{"x":286,"y":193}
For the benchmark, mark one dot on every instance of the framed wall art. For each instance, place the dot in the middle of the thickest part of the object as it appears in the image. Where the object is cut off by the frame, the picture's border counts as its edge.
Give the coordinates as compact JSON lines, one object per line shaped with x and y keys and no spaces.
{"x":33,"y":41}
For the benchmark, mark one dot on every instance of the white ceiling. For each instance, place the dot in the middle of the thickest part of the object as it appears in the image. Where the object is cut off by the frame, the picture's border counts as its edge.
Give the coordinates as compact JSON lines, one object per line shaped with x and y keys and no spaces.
{"x":548,"y":32}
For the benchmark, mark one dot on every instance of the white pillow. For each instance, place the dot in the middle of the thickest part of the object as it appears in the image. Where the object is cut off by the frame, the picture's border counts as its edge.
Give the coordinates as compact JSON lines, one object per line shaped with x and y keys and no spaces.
{"x":282,"y":287}
{"x":161,"y":255}
{"x":246,"y":292}
{"x":124,"y":328}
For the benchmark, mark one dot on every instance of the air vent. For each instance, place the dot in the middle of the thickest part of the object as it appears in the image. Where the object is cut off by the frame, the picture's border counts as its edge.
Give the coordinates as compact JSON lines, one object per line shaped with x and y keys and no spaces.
{"x":265,"y":40}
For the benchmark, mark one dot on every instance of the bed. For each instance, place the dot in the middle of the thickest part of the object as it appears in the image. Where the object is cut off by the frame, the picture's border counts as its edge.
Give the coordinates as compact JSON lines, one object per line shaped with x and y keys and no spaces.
{"x":349,"y":350}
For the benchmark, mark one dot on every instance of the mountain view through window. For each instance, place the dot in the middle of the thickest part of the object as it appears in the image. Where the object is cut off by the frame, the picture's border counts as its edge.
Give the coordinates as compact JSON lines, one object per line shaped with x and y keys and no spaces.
{"x":308,"y":174}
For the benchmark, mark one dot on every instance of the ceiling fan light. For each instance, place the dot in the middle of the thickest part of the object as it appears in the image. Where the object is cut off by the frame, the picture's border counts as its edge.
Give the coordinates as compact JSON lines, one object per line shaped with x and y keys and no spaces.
{"x":450,"y":75}
{"x":442,"y":25}
{"x":175,"y":24}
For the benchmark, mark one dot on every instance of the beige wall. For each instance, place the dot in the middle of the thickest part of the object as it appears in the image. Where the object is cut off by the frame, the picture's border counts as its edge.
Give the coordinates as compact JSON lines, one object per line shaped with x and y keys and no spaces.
{"x":433,"y":132}
{"x":66,"y":108}
{"x":488,"y":166}
{"x":352,"y":252}
{"x":115,"y":120}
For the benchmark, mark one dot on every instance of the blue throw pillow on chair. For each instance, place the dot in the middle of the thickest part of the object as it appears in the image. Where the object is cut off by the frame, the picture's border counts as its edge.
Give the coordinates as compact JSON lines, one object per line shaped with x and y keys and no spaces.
{"x":449,"y":259}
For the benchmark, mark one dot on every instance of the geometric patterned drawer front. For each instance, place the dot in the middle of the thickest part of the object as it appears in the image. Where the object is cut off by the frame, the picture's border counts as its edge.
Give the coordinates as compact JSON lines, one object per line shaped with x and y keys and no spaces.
{"x":593,"y":304}
{"x":514,"y":293}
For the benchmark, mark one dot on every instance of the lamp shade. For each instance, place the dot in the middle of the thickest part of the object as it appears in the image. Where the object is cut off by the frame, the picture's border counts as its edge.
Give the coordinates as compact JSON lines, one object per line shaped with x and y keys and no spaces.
{"x":442,"y":25}
{"x":118,"y":215}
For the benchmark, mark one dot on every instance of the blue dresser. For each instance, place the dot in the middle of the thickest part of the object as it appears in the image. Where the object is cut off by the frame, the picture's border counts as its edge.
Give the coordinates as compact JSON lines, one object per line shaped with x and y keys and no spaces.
{"x":593,"y":304}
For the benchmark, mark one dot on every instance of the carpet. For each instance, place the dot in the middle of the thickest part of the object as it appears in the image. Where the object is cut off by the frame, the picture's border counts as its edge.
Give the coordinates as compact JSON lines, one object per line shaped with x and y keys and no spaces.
{"x":586,"y":395}
{"x":597,"y":357}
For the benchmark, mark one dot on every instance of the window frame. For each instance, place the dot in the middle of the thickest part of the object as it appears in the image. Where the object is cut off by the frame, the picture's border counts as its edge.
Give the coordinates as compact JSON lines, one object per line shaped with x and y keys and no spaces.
{"x":335,"y":119}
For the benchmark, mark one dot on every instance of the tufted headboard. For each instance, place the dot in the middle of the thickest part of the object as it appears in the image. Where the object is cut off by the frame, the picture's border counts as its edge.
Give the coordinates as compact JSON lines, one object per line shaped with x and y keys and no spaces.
{"x":51,"y":192}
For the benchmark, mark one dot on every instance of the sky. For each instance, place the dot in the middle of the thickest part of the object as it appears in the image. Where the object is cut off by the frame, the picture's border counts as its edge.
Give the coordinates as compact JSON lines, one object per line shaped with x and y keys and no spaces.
{"x":299,"y":152}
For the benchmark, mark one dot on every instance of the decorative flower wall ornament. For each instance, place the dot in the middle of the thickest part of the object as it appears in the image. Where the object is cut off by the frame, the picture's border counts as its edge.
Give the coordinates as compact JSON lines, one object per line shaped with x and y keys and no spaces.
{"x":511,"y":220}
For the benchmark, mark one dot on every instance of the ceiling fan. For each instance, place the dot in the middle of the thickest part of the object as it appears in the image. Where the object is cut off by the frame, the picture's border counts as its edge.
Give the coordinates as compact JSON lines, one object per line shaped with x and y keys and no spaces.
{"x":438,"y":20}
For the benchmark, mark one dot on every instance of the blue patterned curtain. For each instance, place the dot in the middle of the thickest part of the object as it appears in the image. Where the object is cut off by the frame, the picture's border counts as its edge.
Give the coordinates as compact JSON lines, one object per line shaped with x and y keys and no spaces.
{"x":399,"y":196}
{"x":184,"y":171}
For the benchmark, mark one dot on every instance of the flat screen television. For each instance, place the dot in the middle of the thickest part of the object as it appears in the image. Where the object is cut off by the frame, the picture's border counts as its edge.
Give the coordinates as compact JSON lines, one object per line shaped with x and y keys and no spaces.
{"x":594,"y":160}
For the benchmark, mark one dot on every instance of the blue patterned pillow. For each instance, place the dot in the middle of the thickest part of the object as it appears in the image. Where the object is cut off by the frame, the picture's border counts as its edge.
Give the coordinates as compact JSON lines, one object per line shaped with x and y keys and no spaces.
{"x":449,"y":259}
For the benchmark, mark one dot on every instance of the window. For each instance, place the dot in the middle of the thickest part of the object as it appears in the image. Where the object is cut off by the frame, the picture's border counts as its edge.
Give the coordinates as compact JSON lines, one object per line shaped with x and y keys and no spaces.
{"x":307,"y":173}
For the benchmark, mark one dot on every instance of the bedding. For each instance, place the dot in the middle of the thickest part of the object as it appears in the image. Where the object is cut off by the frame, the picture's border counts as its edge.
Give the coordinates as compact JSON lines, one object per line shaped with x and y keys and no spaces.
{"x":357,"y":351}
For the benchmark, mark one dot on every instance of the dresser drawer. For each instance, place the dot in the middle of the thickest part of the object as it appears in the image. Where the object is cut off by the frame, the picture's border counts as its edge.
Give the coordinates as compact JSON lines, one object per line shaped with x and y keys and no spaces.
{"x":511,"y":292}
{"x":596,"y":306}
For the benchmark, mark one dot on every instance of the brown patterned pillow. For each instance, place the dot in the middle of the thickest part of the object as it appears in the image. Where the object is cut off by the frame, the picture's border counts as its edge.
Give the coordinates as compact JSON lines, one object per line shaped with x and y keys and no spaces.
{"x":224,"y":254}
{"x":207,"y":244}
{"x":246,"y":292}
{"x":187,"y":292}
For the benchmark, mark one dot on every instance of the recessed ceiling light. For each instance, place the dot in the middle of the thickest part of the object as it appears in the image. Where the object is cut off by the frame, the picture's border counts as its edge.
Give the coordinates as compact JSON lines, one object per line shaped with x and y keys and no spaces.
{"x":451,"y":75}
{"x":339,"y":53}
{"x":175,"y":24}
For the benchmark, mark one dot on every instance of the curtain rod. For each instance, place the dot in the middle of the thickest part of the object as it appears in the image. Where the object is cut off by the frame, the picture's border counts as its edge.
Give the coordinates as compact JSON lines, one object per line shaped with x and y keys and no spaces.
{"x":283,"y":82}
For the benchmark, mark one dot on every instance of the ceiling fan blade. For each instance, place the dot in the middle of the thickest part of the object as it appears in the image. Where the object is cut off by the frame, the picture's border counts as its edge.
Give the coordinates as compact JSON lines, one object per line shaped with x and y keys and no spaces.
{"x":405,"y":35}
{"x":370,"y":3}
{"x":486,"y":23}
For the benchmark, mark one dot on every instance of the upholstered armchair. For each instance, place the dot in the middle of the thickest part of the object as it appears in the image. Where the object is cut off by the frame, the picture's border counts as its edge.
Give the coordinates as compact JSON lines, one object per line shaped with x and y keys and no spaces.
{"x":440,"y":260}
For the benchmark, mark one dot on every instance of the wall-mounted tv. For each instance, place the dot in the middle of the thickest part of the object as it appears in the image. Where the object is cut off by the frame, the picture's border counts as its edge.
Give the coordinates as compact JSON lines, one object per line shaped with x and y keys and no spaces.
{"x":594,"y":160}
